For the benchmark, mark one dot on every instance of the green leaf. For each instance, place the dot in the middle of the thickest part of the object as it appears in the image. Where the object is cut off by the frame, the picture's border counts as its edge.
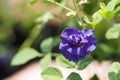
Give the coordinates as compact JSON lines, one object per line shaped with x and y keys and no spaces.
{"x":84,"y":62}
{"x":97,"y":18}
{"x":94,"y":78}
{"x":64,"y":62}
{"x":51,"y":73}
{"x":59,"y":1}
{"x":86,"y":19}
{"x":44,"y":62}
{"x":113,"y":32}
{"x":108,"y":15}
{"x":23,"y":56}
{"x":74,"y":76}
{"x":117,"y":7}
{"x":102,"y":6}
{"x":114,"y":71}
{"x":117,"y":10}
{"x":106,"y":48}
{"x":111,"y":5}
{"x":107,"y":11}
{"x":118,"y":1}
{"x":46,"y":45}
{"x":44,"y":18}
{"x":56,"y":41}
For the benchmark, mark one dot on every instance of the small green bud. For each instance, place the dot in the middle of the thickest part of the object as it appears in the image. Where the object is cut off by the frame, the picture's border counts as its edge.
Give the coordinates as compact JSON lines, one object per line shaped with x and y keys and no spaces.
{"x":71,"y":14}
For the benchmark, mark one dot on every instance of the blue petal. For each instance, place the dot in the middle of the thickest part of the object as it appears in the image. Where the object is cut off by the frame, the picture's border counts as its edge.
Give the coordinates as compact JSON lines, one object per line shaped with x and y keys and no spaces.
{"x":90,"y":47}
{"x":71,"y":53}
{"x":65,"y":36}
{"x":87,"y":32}
{"x":79,"y":51}
{"x":91,"y":39}
{"x":84,"y":43}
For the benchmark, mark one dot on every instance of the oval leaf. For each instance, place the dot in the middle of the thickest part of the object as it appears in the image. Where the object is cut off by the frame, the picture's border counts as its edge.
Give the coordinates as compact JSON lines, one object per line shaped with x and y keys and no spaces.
{"x":51,"y":73}
{"x":97,"y":18}
{"x":84,"y":63}
{"x":113,"y":32}
{"x":64,"y":62}
{"x":46,"y":45}
{"x":111,"y":5}
{"x":114,"y":71}
{"x":45,"y":61}
{"x":74,"y":76}
{"x":23,"y":56}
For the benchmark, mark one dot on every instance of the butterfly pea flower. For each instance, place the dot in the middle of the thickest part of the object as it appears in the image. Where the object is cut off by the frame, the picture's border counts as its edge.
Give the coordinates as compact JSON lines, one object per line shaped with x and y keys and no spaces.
{"x":75,"y":44}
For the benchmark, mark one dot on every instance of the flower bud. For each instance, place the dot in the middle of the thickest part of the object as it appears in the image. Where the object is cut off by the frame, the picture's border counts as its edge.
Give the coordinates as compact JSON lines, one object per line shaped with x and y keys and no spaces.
{"x":71,"y":14}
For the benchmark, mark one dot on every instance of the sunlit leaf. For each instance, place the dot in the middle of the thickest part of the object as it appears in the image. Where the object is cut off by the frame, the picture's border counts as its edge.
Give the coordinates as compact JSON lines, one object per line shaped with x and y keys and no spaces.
{"x":111,"y":5}
{"x":117,"y":10}
{"x":51,"y":73}
{"x":64,"y":62}
{"x":43,"y":18}
{"x":102,"y":6}
{"x":83,"y":2}
{"x":107,"y":11}
{"x":114,"y":71}
{"x":84,"y":63}
{"x":117,"y":7}
{"x":118,"y":1}
{"x":86,"y":19}
{"x":24,"y":55}
{"x":108,"y":15}
{"x":97,"y":18}
{"x":44,"y":62}
{"x":113,"y":32}
{"x":74,"y":76}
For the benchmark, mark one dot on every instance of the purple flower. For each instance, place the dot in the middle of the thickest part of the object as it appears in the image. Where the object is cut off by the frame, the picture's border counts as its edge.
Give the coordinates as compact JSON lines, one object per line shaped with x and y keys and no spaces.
{"x":75,"y":44}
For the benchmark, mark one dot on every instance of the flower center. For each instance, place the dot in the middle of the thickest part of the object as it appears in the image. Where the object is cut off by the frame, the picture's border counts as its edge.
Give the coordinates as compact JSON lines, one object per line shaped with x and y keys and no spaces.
{"x":75,"y":40}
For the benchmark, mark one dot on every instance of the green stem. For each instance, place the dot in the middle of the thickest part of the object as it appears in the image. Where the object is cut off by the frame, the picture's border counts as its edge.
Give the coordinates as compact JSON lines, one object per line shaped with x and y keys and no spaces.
{"x":40,"y":55}
{"x":31,"y":38}
{"x":53,"y":54}
{"x":118,"y":44}
{"x":61,"y":5}
{"x":77,"y":10}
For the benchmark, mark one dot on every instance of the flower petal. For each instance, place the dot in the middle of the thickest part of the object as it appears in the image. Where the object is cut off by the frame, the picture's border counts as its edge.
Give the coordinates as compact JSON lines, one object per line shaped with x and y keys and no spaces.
{"x":91,"y":39}
{"x":91,"y":48}
{"x":76,"y":45}
{"x":68,"y":52}
{"x":87,"y":32}
{"x":80,"y":51}
{"x":65,"y":36}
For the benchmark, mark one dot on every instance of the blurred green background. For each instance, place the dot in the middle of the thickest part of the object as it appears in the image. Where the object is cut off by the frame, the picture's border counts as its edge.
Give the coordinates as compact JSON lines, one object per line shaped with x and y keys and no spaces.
{"x":23,"y":25}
